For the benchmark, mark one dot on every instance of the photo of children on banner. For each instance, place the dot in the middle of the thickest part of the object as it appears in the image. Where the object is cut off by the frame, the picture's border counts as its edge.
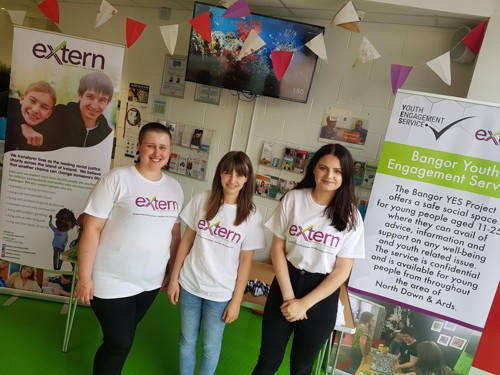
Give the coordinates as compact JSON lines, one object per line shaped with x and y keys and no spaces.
{"x":343,"y":128}
{"x":36,"y":123}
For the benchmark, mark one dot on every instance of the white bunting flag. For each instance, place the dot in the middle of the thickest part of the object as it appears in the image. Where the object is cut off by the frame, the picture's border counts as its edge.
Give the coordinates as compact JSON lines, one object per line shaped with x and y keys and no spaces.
{"x":17,"y":16}
{"x":106,"y":11}
{"x":317,"y":45}
{"x":169,"y":34}
{"x":252,"y":44}
{"x":441,"y":66}
{"x":366,"y":52}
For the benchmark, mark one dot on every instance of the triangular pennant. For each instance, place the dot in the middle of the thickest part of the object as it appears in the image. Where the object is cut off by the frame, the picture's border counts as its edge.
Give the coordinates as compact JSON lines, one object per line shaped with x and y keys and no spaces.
{"x":399,"y":74}
{"x":351,"y":26}
{"x":238,"y":9}
{"x":106,"y":11}
{"x":227,"y":3}
{"x":202,"y":25}
{"x":281,"y":60}
{"x":252,"y":44}
{"x":317,"y":45}
{"x":441,"y":66}
{"x":134,"y":31}
{"x":169,"y":34}
{"x":346,"y":14}
{"x":474,"y":39}
{"x":366,"y":52}
{"x":17,"y":16}
{"x":51,"y":9}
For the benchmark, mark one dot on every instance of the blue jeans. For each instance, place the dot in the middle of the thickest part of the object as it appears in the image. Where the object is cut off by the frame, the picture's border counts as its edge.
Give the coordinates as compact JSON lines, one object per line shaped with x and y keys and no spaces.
{"x":195,"y":311}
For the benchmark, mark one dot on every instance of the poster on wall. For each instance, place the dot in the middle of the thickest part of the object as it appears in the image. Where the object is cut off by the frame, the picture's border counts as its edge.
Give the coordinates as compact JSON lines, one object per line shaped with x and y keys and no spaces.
{"x":431,"y":228}
{"x":61,"y":121}
{"x":341,"y":126}
{"x":174,"y":72}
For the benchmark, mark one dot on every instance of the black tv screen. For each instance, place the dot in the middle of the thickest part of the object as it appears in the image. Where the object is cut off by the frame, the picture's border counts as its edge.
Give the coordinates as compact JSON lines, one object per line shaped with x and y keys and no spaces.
{"x":217,"y":64}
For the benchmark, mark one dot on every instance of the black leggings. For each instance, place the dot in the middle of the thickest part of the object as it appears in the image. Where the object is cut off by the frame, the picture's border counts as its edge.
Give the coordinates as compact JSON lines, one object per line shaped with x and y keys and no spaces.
{"x":118,"y":318}
{"x":309,"y":334}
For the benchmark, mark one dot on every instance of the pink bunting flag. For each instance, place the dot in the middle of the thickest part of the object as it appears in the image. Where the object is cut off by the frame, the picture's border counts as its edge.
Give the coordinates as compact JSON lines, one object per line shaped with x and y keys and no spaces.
{"x":238,"y":9}
{"x":202,"y":25}
{"x":474,"y":39}
{"x":281,"y":60}
{"x":134,"y":31}
{"x":51,"y":9}
{"x":399,"y":74}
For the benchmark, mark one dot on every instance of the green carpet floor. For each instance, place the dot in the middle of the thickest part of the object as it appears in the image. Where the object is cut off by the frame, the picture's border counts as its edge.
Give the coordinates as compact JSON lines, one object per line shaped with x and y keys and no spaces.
{"x":32,"y":333}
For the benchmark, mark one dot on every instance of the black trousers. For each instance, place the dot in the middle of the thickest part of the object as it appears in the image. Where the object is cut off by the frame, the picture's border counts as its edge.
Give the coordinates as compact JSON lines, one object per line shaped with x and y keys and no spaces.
{"x":309,"y":335}
{"x":118,"y":318}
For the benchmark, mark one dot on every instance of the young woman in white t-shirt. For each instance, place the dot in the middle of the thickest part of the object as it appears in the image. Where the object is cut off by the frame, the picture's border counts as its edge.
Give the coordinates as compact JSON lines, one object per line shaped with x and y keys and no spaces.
{"x":130,"y":231}
{"x":318,"y":232}
{"x":211,"y":270}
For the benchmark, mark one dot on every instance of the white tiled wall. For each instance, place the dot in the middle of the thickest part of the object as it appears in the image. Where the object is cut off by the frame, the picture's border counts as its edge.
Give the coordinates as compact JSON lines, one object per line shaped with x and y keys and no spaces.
{"x":365,"y":89}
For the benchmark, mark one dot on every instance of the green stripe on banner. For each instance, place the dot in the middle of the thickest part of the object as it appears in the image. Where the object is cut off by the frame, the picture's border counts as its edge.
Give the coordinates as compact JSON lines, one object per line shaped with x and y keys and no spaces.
{"x":441,"y":168}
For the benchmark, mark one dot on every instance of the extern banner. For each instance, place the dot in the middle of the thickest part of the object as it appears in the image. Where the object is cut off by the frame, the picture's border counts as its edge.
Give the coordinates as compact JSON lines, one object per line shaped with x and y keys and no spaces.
{"x":60,"y":129}
{"x":432,"y":226}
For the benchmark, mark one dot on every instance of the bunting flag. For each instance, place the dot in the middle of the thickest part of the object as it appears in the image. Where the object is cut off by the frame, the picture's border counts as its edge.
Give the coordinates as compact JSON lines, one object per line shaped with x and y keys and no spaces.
{"x":441,"y":66}
{"x":474,"y":39}
{"x":51,"y":9}
{"x":227,"y":3}
{"x":347,"y":18}
{"x":399,"y":74}
{"x":134,"y":31}
{"x":366,"y":52}
{"x":169,"y":34}
{"x":317,"y":45}
{"x":252,"y":44}
{"x":281,"y":60}
{"x":17,"y":16}
{"x":106,"y":11}
{"x":238,"y":9}
{"x":202,"y":25}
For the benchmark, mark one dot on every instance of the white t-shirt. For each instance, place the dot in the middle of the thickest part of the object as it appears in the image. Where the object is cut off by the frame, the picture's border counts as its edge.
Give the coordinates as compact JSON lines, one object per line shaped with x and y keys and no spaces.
{"x":211,"y":267}
{"x":134,"y":246}
{"x":312,"y":243}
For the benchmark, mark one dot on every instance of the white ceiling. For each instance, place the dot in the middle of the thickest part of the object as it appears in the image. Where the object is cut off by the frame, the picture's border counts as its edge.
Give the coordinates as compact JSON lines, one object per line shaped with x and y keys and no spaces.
{"x":310,"y":9}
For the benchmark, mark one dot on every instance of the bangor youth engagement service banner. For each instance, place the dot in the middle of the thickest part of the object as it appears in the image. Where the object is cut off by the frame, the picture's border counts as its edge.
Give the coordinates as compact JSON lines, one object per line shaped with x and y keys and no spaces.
{"x":432,"y":227}
{"x":54,"y":178}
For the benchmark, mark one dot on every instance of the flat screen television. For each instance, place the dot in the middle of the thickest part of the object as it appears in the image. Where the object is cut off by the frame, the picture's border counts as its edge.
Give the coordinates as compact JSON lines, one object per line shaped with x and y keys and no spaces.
{"x":217,"y":64}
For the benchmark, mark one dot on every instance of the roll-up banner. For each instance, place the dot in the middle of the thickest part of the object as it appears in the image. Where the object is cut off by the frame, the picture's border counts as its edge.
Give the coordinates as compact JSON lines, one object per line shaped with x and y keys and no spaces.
{"x":60,"y":127}
{"x":432,"y":227}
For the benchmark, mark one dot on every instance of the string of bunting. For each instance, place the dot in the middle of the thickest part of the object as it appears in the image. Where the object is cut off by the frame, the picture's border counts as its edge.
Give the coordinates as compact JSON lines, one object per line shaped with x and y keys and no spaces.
{"x":347,"y":18}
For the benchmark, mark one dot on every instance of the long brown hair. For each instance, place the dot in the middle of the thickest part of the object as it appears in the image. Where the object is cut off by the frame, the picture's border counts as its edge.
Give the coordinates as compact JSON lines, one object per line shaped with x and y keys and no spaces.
{"x":239,"y":162}
{"x":430,"y":359}
{"x":341,"y":210}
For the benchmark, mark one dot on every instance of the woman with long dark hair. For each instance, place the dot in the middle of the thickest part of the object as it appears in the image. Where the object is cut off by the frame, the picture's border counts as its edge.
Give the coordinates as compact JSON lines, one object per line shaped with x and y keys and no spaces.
{"x":318,"y":232}
{"x":430,"y":360}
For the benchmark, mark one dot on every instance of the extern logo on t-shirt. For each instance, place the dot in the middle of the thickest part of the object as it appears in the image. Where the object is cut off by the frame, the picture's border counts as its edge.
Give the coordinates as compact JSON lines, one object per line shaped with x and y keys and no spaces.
{"x":156,"y":204}
{"x":310,"y":235}
{"x":216,"y":230}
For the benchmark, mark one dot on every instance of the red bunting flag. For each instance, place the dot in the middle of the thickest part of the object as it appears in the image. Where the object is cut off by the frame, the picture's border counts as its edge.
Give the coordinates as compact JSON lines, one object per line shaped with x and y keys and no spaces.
{"x":238,"y":9}
{"x":399,"y":74}
{"x":474,"y":39}
{"x":134,"y":31}
{"x":202,"y":25}
{"x":281,"y":60}
{"x":51,"y":9}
